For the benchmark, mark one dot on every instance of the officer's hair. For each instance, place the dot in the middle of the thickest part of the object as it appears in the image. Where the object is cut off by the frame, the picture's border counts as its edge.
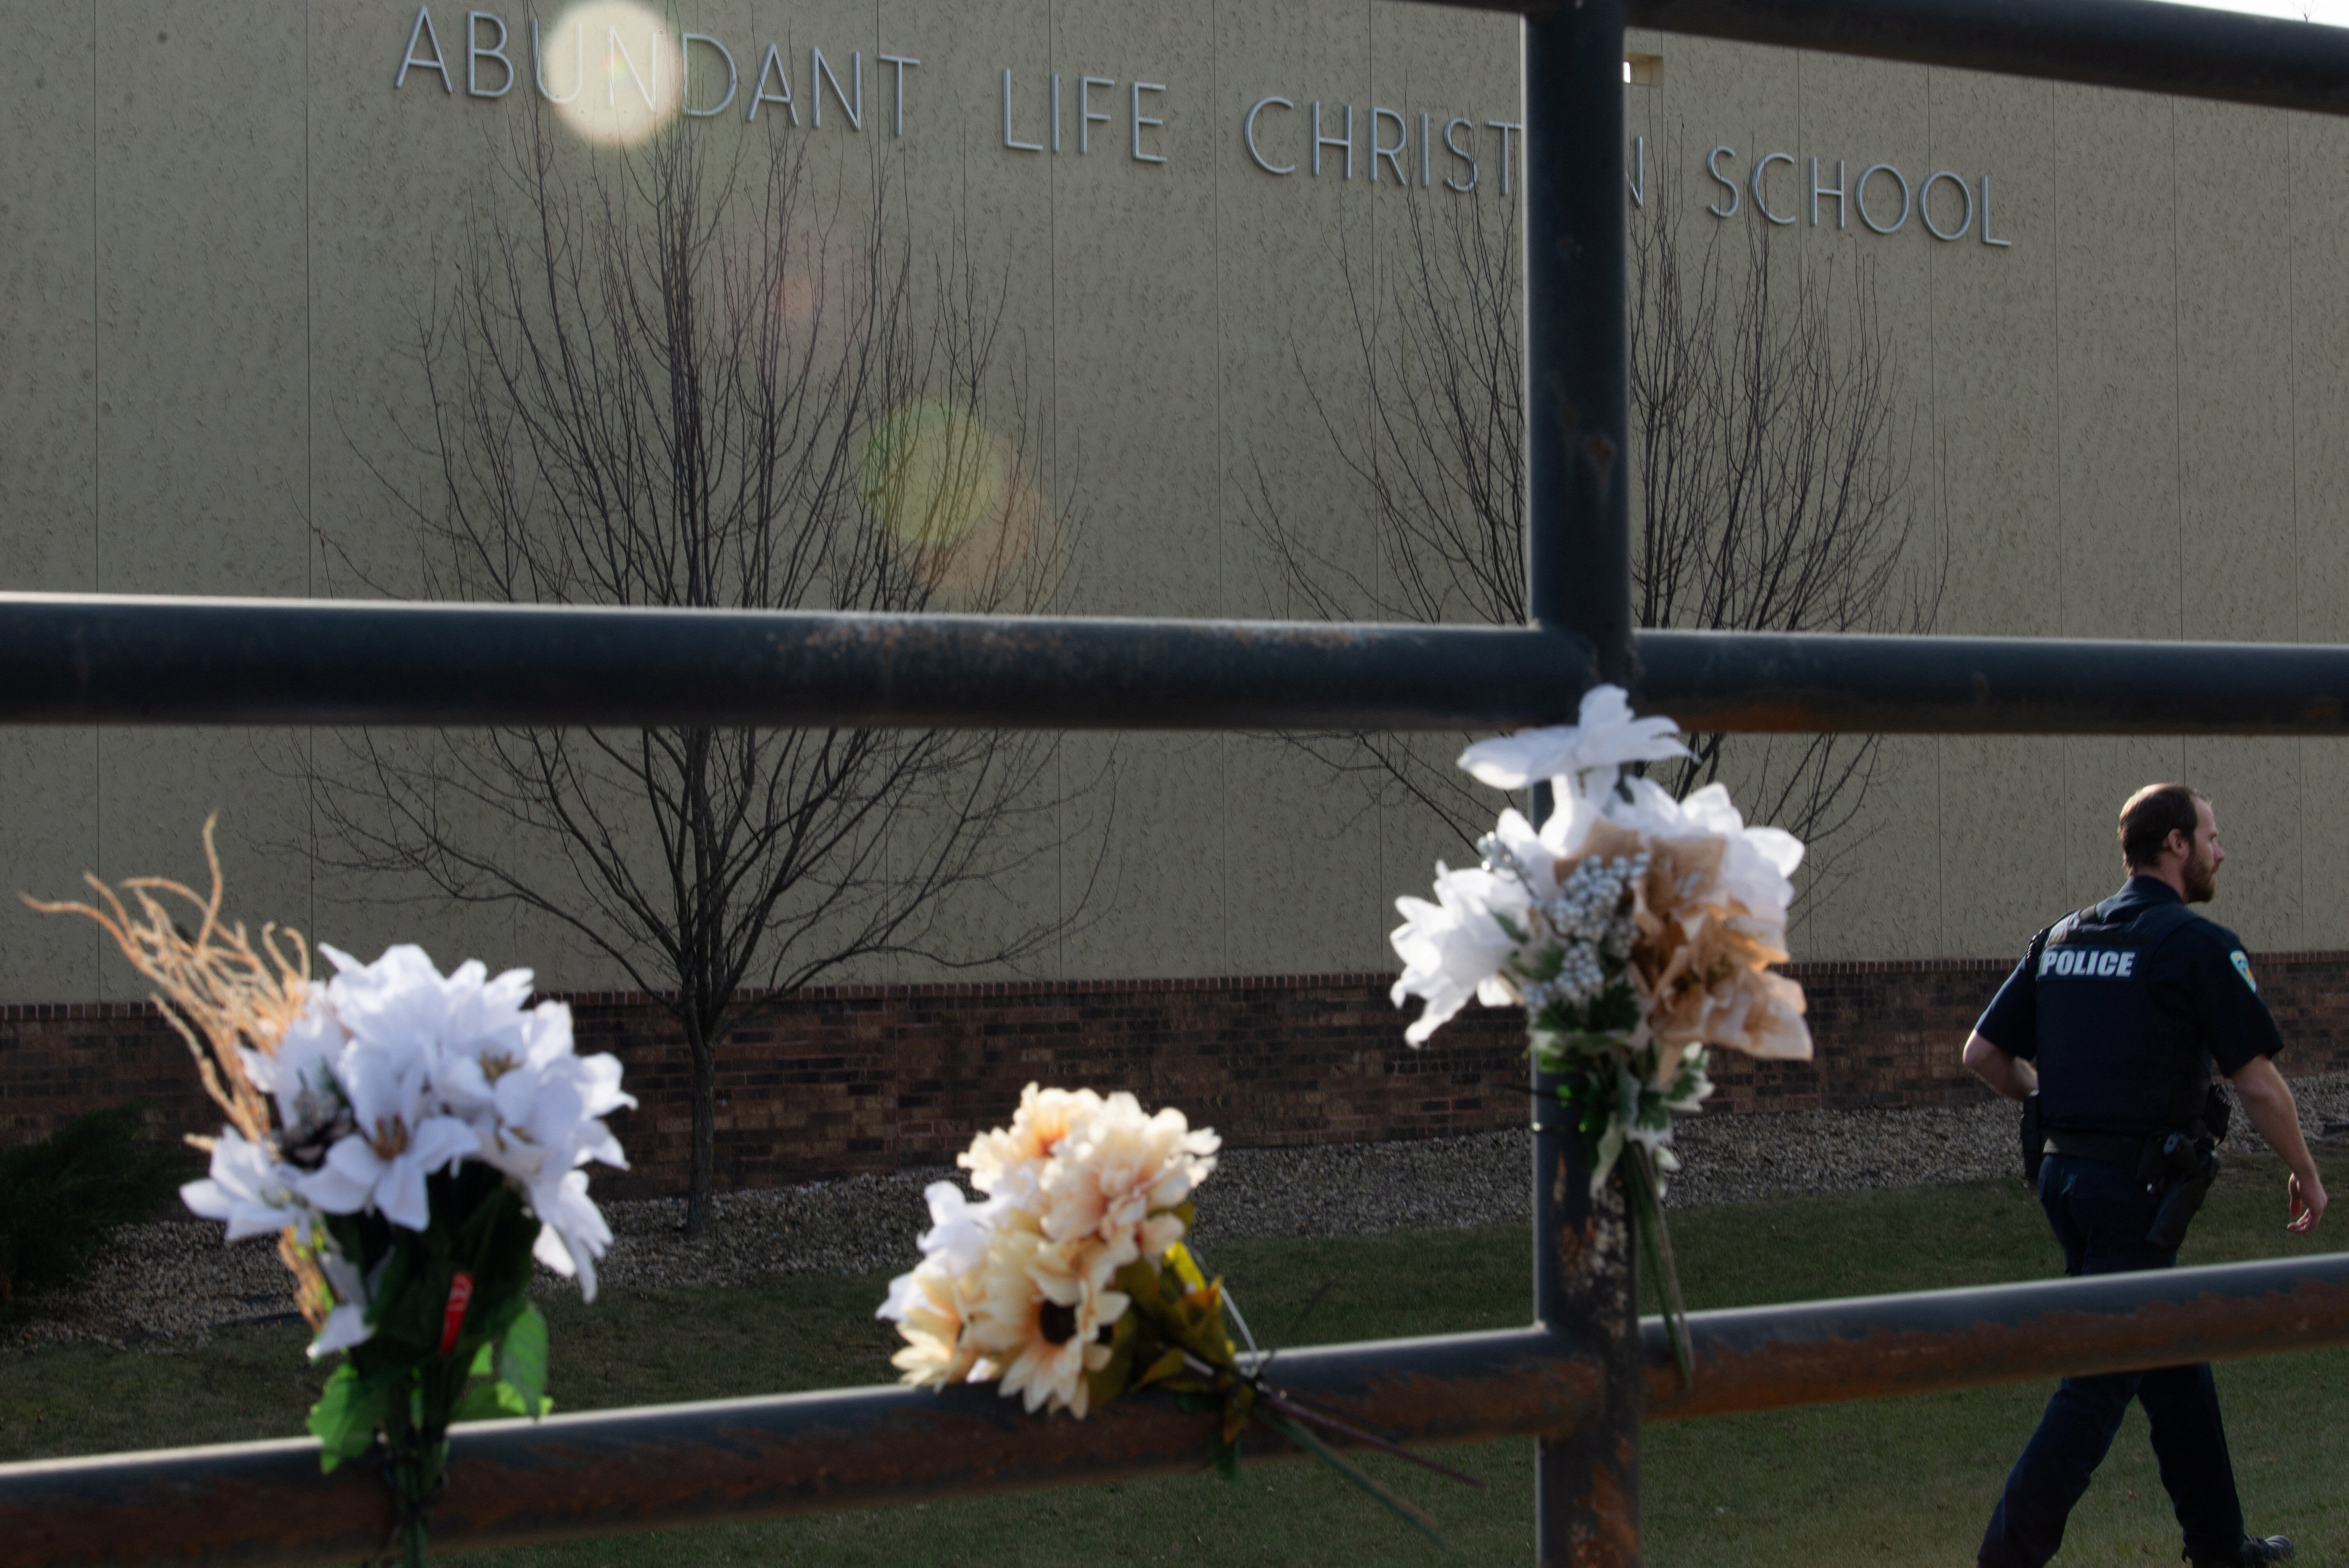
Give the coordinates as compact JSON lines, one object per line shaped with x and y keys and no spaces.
{"x":2150,"y":816}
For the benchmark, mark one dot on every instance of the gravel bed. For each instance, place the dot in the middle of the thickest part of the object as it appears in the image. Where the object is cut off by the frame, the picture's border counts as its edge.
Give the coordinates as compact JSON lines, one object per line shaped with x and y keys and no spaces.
{"x":155,"y":1284}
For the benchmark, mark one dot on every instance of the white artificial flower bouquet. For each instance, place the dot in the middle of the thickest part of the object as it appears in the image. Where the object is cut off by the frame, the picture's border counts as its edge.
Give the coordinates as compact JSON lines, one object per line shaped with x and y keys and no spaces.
{"x":1635,"y":930}
{"x":1068,"y":1283}
{"x":413,"y":1140}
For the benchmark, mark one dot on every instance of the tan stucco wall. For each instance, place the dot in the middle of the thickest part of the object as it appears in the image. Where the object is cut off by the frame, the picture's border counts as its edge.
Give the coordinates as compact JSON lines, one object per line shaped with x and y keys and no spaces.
{"x":2128,"y":425}
{"x":220,"y":236}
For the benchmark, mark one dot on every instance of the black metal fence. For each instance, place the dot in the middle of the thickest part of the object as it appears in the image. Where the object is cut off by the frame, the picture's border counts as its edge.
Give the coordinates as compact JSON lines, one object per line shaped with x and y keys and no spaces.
{"x":1583,"y":1378}
{"x":514,"y":1482}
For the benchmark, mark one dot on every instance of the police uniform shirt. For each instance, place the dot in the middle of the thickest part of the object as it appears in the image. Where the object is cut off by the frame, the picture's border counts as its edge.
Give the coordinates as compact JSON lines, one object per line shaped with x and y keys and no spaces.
{"x":2138,"y":1022}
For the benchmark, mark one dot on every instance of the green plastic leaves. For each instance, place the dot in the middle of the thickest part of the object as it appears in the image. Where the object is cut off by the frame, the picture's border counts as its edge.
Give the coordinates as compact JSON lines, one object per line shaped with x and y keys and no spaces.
{"x":345,"y":1417}
{"x":508,"y":1378}
{"x":516,"y":1369}
{"x":522,"y":1360}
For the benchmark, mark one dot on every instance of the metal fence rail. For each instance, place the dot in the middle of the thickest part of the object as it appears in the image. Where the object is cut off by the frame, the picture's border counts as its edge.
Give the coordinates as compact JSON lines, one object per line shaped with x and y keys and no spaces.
{"x":610,"y":1473}
{"x":83,"y":659}
{"x":2188,"y":50}
{"x":2182,"y":49}
{"x":93,"y":659}
{"x":1584,"y":1377}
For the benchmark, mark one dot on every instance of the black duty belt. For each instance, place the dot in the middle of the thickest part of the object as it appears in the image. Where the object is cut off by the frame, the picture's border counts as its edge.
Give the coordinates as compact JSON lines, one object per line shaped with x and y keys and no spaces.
{"x":2106,"y":1148}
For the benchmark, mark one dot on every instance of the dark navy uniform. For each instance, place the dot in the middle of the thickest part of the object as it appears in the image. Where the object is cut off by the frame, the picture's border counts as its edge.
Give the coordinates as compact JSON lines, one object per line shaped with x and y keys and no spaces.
{"x":2126,"y":1009}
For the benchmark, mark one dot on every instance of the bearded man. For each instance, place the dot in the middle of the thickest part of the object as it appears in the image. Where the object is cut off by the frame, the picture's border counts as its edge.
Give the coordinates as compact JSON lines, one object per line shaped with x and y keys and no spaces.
{"x":2113,"y":1020}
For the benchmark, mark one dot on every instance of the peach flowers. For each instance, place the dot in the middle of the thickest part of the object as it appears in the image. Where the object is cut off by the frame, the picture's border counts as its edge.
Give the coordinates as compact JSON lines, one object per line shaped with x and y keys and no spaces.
{"x":1017,"y":1288}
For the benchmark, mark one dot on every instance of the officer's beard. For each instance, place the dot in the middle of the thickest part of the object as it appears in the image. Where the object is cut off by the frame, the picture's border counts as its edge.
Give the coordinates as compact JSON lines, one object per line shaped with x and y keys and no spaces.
{"x":2201,"y":875}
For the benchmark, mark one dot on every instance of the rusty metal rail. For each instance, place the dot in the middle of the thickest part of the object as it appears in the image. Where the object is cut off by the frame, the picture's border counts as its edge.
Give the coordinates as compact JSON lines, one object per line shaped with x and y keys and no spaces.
{"x":1880,"y":1346}
{"x":100,"y":659}
{"x":95,"y":659}
{"x":728,"y":1461}
{"x":2192,"y":51}
{"x":610,"y":1473}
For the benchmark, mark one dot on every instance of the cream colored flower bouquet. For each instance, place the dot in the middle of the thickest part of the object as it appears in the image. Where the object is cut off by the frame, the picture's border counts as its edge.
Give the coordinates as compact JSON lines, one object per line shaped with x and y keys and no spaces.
{"x":1068,"y":1283}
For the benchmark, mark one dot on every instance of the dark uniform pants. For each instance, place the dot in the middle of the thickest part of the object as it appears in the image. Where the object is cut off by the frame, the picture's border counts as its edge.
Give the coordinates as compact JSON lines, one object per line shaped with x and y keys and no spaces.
{"x":2101,"y":1215}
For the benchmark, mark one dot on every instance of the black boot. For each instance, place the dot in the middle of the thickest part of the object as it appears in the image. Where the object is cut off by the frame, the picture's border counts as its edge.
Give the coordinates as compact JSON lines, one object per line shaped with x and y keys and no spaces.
{"x":2251,"y":1550}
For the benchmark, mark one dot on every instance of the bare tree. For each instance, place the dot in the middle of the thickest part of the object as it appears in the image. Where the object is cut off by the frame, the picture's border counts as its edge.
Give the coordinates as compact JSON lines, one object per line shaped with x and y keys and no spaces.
{"x":667,"y":377}
{"x":1772,"y":457}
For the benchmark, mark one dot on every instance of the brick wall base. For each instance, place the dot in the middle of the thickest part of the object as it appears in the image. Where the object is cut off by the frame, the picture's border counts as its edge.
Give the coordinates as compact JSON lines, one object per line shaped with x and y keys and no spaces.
{"x":847,"y":1079}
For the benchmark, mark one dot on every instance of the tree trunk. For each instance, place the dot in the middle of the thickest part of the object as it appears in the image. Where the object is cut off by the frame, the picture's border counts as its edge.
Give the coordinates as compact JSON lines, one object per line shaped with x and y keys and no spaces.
{"x":705,"y":1132}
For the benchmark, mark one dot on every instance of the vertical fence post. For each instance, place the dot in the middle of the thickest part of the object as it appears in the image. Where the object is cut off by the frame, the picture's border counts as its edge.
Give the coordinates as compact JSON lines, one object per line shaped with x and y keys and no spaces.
{"x":1578,"y":565}
{"x":1586,"y":1287}
{"x":1578,"y":366}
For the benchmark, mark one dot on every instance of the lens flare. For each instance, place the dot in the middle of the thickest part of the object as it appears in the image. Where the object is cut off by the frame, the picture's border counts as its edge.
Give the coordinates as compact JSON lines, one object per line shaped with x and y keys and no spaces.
{"x":804,"y":282}
{"x":929,"y":472}
{"x":958,"y":504}
{"x":614,"y":71}
{"x":818,"y":279}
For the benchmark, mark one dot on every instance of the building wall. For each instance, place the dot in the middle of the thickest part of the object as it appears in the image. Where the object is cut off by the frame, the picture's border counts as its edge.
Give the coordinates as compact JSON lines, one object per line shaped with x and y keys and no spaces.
{"x":841,"y":1080}
{"x":2124,"y":426}
{"x":861,"y":1079}
{"x":224,"y":234}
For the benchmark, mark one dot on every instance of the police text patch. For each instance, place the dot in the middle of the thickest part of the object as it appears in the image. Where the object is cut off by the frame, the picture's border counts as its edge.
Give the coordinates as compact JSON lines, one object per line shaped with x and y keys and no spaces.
{"x":2071,"y":962}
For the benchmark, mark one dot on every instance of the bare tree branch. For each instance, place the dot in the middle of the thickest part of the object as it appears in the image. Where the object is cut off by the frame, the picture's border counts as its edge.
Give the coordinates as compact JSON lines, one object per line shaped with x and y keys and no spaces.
{"x":663,"y":378}
{"x":1770,"y":438}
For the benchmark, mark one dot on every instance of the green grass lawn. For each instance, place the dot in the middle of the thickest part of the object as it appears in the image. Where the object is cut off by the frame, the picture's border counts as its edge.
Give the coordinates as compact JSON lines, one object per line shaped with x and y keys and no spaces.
{"x":1891,"y":1482}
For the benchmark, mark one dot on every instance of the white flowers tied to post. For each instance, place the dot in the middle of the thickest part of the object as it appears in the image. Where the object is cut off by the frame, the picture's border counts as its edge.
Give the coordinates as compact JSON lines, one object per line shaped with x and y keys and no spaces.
{"x":413,"y":1140}
{"x":393,"y":1073}
{"x":1634,"y":929}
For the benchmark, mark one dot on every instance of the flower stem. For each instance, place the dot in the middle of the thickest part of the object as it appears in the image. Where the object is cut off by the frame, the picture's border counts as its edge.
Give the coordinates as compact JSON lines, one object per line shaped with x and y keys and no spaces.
{"x":1401,"y":1508}
{"x":1648,"y":1215}
{"x":416,"y":1460}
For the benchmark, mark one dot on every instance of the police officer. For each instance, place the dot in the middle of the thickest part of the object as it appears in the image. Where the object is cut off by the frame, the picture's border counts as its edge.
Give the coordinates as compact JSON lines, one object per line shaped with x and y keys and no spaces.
{"x":2114,"y":1018}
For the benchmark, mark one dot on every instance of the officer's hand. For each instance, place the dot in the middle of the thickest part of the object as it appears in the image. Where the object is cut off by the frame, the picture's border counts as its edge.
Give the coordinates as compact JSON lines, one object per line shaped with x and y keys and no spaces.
{"x":2305,"y":1203}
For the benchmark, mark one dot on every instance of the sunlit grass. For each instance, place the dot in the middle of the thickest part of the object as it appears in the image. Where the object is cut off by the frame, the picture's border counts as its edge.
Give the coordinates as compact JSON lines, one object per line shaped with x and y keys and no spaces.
{"x":1895,"y":1481}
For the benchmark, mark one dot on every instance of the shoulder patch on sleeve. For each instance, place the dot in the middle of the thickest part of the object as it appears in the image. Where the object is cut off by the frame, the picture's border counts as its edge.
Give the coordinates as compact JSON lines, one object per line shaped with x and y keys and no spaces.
{"x":2243,"y":967}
